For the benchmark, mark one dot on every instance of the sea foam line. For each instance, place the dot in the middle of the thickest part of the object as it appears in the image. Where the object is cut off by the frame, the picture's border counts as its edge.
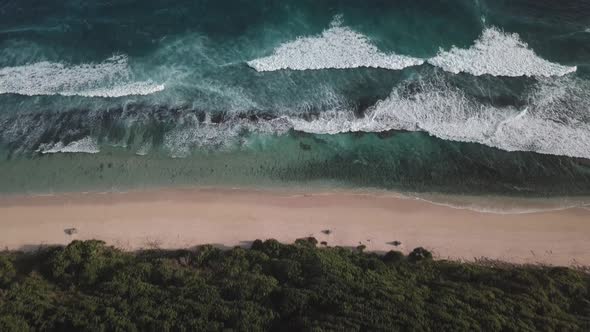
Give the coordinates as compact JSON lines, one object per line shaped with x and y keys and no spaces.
{"x":110,"y":78}
{"x":336,"y":48}
{"x":501,"y":208}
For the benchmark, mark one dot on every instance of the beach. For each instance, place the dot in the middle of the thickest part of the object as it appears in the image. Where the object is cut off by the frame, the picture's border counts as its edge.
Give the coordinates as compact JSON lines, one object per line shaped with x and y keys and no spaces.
{"x":185,"y":218}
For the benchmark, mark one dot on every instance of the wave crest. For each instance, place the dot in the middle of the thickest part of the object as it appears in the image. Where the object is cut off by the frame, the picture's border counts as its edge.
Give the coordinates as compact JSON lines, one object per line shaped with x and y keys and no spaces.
{"x":85,"y":145}
{"x":336,"y":48}
{"x":499,"y":54}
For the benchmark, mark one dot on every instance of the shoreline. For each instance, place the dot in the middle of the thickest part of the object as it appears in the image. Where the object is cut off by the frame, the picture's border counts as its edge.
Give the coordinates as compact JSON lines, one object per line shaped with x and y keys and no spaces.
{"x":184,"y":218}
{"x":481,"y":203}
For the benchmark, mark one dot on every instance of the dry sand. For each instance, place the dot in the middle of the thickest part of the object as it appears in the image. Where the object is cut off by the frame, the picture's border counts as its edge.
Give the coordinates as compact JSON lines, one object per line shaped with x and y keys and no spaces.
{"x":185,"y":218}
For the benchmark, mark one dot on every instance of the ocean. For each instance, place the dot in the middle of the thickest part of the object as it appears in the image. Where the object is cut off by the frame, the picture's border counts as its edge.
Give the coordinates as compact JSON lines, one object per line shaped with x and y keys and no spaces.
{"x":488,"y":97}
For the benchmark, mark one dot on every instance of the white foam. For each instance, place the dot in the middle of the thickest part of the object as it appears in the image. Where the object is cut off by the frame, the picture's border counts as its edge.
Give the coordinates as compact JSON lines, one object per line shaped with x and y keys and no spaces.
{"x":554,"y":120}
{"x":85,"y":145}
{"x":110,"y":78}
{"x":126,"y":89}
{"x":499,"y":54}
{"x":552,"y":123}
{"x":336,"y":48}
{"x":501,"y":205}
{"x":144,"y":149}
{"x":193,"y":134}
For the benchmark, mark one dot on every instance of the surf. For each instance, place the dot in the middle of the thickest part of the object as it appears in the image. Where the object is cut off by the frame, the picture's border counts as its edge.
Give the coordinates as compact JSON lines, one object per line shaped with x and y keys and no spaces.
{"x":338,"y":47}
{"x":551,"y":120}
{"x":84,"y":145}
{"x":439,"y":109}
{"x":498,"y":53}
{"x":109,"y":79}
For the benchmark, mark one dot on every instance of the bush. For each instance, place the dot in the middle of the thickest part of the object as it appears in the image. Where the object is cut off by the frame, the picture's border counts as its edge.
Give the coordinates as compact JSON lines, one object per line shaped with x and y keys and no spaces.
{"x":307,"y":242}
{"x":83,"y":262}
{"x":420,"y":254}
{"x":286,"y":270}
{"x":257,"y":245}
{"x":12,"y":323}
{"x":393,"y":256}
{"x":7,"y":271}
{"x":270,"y":247}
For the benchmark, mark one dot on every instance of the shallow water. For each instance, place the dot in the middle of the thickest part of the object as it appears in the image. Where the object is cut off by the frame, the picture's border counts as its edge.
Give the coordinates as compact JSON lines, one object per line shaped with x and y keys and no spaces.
{"x":463,"y":97}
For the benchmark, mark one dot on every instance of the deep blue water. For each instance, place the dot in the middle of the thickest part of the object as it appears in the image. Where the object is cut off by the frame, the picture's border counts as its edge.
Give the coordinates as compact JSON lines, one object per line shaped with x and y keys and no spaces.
{"x":477,"y":97}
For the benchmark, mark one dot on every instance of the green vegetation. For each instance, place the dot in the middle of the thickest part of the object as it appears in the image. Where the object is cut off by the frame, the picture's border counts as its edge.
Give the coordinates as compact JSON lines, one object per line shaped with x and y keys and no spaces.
{"x":273,"y":286}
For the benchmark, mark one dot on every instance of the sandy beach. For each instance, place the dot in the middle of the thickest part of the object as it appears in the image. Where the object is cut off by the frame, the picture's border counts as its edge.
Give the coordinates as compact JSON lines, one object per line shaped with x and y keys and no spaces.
{"x":186,"y":218}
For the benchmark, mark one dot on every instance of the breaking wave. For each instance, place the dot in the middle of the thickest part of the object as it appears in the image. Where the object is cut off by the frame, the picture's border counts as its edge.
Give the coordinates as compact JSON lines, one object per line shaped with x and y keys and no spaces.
{"x":499,"y":54}
{"x":110,"y":78}
{"x":85,"y":145}
{"x":495,"y":53}
{"x":336,"y":48}
{"x":554,"y":121}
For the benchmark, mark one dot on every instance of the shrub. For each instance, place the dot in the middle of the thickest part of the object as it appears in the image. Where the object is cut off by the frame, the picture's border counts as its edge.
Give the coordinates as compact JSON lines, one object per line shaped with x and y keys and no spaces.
{"x":420,"y":254}
{"x":257,"y":245}
{"x":12,"y":323}
{"x":7,"y":271}
{"x":270,"y":247}
{"x":393,"y":256}
{"x":83,"y":261}
{"x":307,"y":242}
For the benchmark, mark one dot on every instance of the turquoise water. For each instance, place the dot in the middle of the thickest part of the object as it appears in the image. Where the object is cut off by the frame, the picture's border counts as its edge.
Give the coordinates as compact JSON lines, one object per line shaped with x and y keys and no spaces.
{"x":468,"y":97}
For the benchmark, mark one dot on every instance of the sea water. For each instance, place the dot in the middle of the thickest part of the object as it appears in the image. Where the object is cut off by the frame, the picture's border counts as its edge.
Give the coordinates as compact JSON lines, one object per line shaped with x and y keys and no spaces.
{"x":464,"y":97}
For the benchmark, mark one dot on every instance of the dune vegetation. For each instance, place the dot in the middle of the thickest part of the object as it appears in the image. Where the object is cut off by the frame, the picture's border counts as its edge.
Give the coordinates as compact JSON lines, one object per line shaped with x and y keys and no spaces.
{"x":89,"y":286}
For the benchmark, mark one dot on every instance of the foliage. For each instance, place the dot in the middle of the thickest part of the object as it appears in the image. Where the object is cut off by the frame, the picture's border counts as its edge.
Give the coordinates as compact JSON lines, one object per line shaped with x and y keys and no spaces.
{"x":420,"y":254}
{"x":272,"y":286}
{"x":7,"y":271}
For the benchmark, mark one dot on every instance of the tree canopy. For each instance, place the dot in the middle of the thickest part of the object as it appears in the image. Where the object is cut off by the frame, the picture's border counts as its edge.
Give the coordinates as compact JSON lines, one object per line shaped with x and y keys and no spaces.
{"x":88,"y":286}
